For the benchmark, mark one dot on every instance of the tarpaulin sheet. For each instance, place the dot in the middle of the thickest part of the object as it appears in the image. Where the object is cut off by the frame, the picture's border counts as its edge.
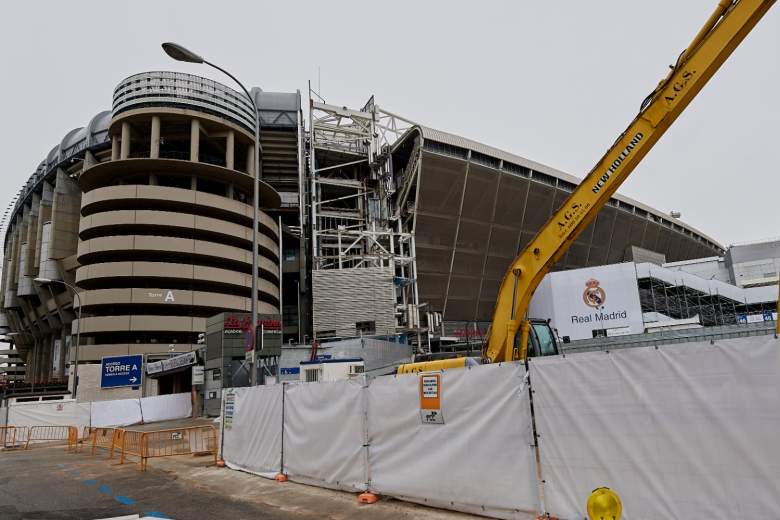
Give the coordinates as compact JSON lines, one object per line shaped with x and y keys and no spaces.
{"x":684,"y":431}
{"x":51,"y":413}
{"x":253,"y":435}
{"x":480,"y":460}
{"x":324,"y":434}
{"x":166,"y":407}
{"x":120,"y":412}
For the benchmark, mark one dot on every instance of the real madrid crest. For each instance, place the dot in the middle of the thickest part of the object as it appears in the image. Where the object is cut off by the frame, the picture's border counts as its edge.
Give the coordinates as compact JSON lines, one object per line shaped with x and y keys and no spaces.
{"x":594,"y":296}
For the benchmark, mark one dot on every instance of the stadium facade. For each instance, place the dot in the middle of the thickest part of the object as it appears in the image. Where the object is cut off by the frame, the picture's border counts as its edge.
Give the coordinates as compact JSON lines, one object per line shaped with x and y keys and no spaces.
{"x":371,"y":224}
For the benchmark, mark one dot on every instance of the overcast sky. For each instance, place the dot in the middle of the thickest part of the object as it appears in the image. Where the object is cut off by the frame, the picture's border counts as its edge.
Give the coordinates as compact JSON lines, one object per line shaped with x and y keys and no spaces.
{"x":553,"y":81}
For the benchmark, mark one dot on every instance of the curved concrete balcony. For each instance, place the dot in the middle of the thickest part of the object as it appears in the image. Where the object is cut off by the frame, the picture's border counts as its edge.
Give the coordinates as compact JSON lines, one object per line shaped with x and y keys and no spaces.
{"x":173,"y":223}
{"x":165,"y":198}
{"x":171,"y":271}
{"x":172,"y":247}
{"x":104,"y":174}
{"x":138,"y":323}
{"x":164,"y":296}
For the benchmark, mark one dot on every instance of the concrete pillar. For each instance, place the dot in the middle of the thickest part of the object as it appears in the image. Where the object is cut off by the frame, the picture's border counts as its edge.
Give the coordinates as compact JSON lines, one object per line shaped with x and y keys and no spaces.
{"x":231,"y":191}
{"x":194,"y":140}
{"x":153,"y":179}
{"x":46,"y":346}
{"x":65,"y":217}
{"x":124,"y":152}
{"x":30,"y":362}
{"x":37,"y":358}
{"x":250,"y":159}
{"x":154,"y":150}
{"x":230,"y":150}
{"x":90,"y":160}
{"x":193,"y":183}
{"x":114,"y":148}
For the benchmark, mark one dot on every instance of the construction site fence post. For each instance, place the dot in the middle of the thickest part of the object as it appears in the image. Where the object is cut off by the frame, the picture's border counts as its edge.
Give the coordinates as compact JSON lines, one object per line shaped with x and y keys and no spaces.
{"x":281,"y":450}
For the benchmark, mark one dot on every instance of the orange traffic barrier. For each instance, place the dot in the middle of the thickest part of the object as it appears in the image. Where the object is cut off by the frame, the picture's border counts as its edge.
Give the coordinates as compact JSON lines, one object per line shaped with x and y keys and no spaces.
{"x":70,"y":434}
{"x":130,"y":442}
{"x":194,"y":440}
{"x":82,"y":437}
{"x":108,"y":439}
{"x":9,"y":435}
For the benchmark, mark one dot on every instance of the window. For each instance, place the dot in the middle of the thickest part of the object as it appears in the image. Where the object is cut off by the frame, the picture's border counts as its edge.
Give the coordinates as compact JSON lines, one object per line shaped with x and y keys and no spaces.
{"x":365,"y":327}
{"x":312,"y":375}
{"x":173,"y":181}
{"x":213,"y":187}
{"x":546,"y":340}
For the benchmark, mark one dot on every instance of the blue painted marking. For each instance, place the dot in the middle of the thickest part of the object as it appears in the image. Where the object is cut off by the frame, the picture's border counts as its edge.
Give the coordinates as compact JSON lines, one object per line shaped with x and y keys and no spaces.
{"x":63,"y":465}
{"x":90,"y":482}
{"x":105,"y":489}
{"x":156,"y":514}
{"x":124,"y":500}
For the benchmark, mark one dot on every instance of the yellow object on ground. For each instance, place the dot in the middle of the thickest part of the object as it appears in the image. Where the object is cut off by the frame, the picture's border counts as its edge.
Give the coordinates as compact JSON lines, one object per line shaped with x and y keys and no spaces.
{"x":604,"y":504}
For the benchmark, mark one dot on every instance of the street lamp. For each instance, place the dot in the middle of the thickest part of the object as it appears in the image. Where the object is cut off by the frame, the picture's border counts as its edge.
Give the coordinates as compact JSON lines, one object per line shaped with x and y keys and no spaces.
{"x":48,"y":281}
{"x":179,"y":53}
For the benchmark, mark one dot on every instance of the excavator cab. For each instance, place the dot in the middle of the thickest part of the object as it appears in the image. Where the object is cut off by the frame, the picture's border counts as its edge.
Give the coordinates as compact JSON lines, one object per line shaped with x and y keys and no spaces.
{"x":541,"y":339}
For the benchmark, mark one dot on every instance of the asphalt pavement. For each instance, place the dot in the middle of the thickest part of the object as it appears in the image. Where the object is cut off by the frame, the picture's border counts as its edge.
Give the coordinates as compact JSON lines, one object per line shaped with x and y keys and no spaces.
{"x":47,"y":483}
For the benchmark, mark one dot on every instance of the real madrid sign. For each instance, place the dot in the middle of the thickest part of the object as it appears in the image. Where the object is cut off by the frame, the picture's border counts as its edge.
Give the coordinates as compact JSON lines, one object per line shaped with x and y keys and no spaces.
{"x":594,"y":296}
{"x":593,"y":301}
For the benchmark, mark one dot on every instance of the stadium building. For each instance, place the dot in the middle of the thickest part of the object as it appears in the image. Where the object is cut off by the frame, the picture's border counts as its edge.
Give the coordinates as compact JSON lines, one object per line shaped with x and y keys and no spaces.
{"x":370,"y":225}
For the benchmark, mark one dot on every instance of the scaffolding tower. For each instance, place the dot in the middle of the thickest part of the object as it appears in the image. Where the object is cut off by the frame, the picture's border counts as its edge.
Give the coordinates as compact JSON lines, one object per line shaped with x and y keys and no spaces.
{"x":355,"y":223}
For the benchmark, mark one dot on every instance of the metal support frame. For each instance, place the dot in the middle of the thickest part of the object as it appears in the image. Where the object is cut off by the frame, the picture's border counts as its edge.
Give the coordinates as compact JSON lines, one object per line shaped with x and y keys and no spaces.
{"x":356,"y":205}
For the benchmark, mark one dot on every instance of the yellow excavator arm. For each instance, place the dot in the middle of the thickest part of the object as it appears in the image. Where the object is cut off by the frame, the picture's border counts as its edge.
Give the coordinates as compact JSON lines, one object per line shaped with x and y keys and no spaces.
{"x":717,"y":39}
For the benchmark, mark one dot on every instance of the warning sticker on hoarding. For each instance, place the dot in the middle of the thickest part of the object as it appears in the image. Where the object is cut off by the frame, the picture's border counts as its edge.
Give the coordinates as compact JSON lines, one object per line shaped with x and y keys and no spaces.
{"x":229,"y":408}
{"x":430,"y":399}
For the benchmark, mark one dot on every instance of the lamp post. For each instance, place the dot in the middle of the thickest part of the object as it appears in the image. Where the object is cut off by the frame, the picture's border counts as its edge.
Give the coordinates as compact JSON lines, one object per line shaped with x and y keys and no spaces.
{"x":179,"y":53}
{"x":47,"y":281}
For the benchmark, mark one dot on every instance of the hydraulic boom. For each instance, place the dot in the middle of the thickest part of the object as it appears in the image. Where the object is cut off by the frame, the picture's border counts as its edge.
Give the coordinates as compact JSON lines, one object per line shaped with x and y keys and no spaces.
{"x":714,"y":43}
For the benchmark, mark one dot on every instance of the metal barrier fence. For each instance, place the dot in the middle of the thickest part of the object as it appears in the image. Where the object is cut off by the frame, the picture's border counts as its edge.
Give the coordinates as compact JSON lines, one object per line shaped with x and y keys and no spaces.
{"x":131,"y":442}
{"x":195,"y":440}
{"x":108,"y":439}
{"x":53,"y":433}
{"x":9,"y":435}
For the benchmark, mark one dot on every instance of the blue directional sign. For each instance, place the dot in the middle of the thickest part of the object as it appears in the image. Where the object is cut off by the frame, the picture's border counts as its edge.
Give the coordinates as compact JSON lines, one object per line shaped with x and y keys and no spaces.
{"x":121,"y":371}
